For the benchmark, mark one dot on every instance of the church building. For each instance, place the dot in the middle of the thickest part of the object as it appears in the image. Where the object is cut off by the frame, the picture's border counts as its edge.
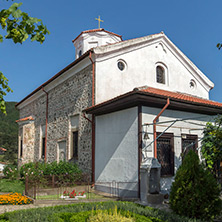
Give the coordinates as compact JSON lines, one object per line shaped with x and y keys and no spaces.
{"x":119,"y":102}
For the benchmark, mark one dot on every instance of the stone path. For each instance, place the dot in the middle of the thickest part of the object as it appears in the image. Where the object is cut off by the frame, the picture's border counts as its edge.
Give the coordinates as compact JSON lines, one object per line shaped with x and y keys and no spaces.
{"x":46,"y":203}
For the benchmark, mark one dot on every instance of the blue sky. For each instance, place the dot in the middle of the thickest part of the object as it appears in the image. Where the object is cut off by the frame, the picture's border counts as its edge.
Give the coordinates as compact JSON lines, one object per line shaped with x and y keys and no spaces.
{"x":192,"y":25}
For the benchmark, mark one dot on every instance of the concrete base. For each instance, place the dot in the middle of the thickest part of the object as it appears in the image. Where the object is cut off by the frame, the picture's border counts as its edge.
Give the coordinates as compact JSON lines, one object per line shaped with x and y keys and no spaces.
{"x":155,"y":198}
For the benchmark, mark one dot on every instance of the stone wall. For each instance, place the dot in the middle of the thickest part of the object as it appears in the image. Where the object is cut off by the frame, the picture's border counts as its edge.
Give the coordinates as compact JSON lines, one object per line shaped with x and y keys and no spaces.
{"x":65,"y":100}
{"x":27,"y":135}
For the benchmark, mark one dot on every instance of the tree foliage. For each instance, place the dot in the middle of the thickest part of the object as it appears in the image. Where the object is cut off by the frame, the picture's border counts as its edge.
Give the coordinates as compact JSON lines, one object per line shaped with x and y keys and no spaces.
{"x":219,"y":45}
{"x":195,"y":192}
{"x":212,"y":144}
{"x":18,"y":26}
{"x":9,"y":132}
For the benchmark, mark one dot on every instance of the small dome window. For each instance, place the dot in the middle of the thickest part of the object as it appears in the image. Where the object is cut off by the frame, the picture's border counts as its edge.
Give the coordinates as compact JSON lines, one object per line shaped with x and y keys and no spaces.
{"x":80,"y":53}
{"x":160,"y":74}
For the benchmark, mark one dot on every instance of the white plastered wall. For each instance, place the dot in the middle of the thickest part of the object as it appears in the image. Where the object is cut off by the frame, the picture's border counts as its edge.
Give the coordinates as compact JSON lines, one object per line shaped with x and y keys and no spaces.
{"x":180,"y":127}
{"x":141,"y":61}
{"x":116,"y":152}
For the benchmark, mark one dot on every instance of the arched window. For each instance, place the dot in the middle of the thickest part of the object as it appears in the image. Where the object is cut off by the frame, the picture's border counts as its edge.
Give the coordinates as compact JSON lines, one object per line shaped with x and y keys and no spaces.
{"x":160,"y":74}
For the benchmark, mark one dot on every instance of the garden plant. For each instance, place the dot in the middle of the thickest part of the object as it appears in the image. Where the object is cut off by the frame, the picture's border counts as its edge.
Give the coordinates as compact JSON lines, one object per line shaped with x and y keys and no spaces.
{"x":195,"y":192}
{"x":14,"y":199}
{"x":82,"y":211}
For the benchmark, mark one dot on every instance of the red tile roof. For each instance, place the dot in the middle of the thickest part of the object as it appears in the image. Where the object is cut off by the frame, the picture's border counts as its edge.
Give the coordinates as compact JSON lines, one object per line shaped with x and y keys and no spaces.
{"x":97,"y":30}
{"x":2,"y":149}
{"x":179,"y":96}
{"x":25,"y":119}
{"x":150,"y":91}
{"x":3,"y":163}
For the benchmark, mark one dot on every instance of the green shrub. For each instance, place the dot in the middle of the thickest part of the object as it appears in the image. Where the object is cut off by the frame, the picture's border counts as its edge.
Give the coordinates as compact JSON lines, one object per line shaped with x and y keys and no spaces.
{"x":65,"y":171}
{"x":43,"y":214}
{"x":62,"y":217}
{"x":101,"y":215}
{"x":108,"y":215}
{"x":10,"y":172}
{"x":25,"y":169}
{"x":195,"y":192}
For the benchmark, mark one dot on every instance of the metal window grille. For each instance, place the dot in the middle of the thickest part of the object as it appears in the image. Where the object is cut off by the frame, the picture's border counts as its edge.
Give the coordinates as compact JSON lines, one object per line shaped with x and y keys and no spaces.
{"x":165,"y":155}
{"x":160,"y":75}
{"x":189,"y":143}
{"x":43,"y":147}
{"x":21,"y":148}
{"x":75,"y":144}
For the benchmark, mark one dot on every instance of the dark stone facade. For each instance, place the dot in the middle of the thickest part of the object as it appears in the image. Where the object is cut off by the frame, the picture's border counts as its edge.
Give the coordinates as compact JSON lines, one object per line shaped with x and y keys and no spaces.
{"x":65,"y":100}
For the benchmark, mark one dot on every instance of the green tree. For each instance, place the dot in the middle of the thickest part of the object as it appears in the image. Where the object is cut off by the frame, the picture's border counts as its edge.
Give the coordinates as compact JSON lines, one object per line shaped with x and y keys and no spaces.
{"x":18,"y":26}
{"x":9,"y":133}
{"x":195,"y":192}
{"x":212,"y":144}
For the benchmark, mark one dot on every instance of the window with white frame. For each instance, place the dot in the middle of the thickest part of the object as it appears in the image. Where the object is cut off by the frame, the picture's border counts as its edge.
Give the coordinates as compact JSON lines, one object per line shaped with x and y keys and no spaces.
{"x":62,"y":150}
{"x":74,"y":137}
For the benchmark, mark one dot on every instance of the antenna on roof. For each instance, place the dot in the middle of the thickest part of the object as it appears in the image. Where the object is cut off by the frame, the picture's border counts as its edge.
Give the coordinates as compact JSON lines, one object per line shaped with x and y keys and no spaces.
{"x":99,"y":20}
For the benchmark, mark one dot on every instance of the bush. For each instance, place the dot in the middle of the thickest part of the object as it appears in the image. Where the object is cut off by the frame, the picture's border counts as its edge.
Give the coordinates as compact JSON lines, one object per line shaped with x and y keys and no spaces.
{"x":10,"y":172}
{"x":195,"y":192}
{"x":102,"y":215}
{"x":43,"y":214}
{"x":65,"y":171}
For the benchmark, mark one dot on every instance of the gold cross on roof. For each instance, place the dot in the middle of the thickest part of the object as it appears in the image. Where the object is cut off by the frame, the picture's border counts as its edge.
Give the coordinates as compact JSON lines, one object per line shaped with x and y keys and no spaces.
{"x":99,"y":20}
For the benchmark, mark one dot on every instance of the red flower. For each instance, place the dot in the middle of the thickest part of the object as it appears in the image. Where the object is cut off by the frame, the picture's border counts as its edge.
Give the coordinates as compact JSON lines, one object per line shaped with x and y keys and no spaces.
{"x":66,"y":193}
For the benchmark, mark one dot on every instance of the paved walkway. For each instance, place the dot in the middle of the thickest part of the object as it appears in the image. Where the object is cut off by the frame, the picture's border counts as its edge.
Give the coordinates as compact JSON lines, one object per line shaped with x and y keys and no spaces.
{"x":46,"y":203}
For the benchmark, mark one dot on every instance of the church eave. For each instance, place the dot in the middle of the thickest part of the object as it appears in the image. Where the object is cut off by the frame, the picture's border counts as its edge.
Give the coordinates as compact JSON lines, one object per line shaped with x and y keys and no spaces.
{"x":136,"y":98}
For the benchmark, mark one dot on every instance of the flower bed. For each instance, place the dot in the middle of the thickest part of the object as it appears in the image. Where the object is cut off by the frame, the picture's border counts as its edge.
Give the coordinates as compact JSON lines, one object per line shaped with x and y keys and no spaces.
{"x":73,"y":195}
{"x":14,"y":199}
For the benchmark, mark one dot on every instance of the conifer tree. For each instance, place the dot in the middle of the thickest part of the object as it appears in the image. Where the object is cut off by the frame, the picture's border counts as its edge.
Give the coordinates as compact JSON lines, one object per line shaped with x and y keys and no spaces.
{"x":195,"y":192}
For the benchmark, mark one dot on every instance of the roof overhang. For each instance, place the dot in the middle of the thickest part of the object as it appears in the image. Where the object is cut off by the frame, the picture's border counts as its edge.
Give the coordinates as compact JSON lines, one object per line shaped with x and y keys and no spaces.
{"x":136,"y":98}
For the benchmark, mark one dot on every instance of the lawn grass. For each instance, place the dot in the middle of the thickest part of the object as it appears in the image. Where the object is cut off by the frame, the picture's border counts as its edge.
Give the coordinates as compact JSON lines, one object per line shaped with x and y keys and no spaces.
{"x":7,"y":185}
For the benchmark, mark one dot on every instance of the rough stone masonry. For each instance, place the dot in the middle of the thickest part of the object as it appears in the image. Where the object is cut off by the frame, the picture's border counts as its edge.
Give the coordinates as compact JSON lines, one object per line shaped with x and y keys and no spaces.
{"x":65,"y":100}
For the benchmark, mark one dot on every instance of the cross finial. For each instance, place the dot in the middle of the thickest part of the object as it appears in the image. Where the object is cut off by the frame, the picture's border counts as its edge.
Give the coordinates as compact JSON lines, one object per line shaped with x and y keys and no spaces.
{"x":99,"y":20}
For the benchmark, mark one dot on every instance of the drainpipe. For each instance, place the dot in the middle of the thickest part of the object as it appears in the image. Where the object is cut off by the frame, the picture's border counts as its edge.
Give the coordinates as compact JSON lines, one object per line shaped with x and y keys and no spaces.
{"x":84,"y":115}
{"x":93,"y":144}
{"x":46,"y":121}
{"x":154,"y":127}
{"x":93,"y":77}
{"x":139,"y":145}
{"x":93,"y":118}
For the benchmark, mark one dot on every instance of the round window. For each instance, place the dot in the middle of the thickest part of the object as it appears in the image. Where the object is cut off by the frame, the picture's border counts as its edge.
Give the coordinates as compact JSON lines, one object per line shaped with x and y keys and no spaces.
{"x":121,"y":65}
{"x":192,"y":84}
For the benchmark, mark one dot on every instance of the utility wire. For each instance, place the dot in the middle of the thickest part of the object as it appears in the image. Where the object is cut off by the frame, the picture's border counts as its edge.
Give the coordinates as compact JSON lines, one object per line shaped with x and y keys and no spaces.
{"x":183,"y":119}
